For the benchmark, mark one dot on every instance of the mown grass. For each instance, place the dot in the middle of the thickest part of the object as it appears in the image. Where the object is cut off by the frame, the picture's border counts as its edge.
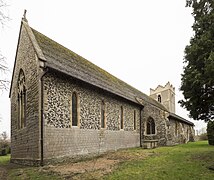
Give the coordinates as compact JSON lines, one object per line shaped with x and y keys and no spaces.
{"x":186,"y":162}
{"x":4,"y":160}
{"x":192,"y":161}
{"x":31,"y":174}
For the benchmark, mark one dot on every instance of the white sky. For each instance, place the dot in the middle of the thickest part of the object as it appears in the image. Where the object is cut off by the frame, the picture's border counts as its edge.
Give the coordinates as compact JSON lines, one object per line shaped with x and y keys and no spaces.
{"x":138,"y":41}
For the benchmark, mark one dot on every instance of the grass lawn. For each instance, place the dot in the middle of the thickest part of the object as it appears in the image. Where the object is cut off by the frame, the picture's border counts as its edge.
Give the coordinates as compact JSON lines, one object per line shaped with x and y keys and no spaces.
{"x":183,"y":162}
{"x":4,"y":160}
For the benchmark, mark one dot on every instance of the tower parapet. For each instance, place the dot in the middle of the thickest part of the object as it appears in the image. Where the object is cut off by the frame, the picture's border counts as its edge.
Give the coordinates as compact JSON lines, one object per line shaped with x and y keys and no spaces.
{"x":164,"y":95}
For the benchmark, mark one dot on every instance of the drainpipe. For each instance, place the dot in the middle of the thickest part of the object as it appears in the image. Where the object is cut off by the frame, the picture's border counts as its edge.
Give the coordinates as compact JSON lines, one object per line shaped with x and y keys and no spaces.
{"x":42,"y":121}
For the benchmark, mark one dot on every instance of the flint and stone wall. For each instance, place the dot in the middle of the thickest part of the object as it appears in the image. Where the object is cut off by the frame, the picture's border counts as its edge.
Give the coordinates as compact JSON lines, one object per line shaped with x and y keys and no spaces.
{"x":161,"y":121}
{"x":25,"y":141}
{"x":63,"y":140}
{"x":167,"y":131}
{"x":180,"y":132}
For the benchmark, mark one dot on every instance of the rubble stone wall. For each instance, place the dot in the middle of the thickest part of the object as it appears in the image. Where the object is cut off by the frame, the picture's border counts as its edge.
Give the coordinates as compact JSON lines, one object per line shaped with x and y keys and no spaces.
{"x":25,"y":141}
{"x":62,"y":139}
{"x":180,"y":132}
{"x":161,"y":121}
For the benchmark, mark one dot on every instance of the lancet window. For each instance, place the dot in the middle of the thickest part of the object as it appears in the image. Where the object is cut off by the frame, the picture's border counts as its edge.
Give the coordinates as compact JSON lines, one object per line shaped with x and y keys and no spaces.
{"x":103,"y":118}
{"x":74,"y":109}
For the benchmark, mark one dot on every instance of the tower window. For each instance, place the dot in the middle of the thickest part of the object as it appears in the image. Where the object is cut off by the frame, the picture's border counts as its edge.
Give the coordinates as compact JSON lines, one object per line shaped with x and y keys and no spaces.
{"x":159,"y":98}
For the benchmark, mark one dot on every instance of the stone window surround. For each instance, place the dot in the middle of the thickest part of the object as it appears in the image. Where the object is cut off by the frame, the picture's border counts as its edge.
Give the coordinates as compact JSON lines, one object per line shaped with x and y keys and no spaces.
{"x":103,"y":108}
{"x":145,"y":125}
{"x":159,"y":98}
{"x":21,"y":100}
{"x":78,"y":110}
{"x":121,"y":118}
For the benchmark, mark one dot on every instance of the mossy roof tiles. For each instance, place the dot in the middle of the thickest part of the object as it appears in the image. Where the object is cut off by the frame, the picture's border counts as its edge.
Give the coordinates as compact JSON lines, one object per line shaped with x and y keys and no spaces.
{"x":64,"y":60}
{"x":175,"y":116}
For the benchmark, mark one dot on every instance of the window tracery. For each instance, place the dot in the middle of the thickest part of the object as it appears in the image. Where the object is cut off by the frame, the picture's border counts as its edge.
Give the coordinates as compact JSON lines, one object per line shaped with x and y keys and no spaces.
{"x":150,"y":126}
{"x":21,"y":100}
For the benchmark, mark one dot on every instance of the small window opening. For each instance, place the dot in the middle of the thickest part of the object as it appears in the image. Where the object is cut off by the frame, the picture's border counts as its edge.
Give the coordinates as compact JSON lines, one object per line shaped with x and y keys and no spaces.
{"x":74,"y":109}
{"x":103,"y":123}
{"x":159,"y":98}
{"x":121,"y":118}
{"x":134,"y":120}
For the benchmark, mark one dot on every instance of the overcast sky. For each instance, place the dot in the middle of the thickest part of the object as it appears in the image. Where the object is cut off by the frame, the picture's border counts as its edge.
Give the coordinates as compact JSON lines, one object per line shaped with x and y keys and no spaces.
{"x":139,"y":41}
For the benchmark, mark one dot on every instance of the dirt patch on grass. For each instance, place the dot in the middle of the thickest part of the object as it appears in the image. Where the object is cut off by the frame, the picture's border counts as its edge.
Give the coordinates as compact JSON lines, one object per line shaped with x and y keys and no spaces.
{"x":5,"y":168}
{"x":82,"y":167}
{"x":97,"y":167}
{"x":3,"y":173}
{"x":207,"y":157}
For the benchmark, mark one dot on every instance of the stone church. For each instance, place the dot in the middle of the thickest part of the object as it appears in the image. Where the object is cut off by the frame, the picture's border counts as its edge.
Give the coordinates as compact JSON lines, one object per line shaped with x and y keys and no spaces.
{"x":63,"y":106}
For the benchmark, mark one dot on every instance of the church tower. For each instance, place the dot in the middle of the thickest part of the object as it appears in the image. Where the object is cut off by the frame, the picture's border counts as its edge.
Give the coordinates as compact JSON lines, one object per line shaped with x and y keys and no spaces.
{"x":165,"y":95}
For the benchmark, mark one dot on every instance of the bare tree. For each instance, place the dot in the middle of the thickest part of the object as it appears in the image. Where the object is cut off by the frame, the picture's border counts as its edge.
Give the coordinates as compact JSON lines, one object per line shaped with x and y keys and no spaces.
{"x":4,"y":136}
{"x":3,"y":15}
{"x":4,"y":83}
{"x":3,"y":69}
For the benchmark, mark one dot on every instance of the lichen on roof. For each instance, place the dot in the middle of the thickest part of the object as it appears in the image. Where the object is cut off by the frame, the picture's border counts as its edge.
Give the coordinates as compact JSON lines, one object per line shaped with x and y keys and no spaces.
{"x":66,"y":61}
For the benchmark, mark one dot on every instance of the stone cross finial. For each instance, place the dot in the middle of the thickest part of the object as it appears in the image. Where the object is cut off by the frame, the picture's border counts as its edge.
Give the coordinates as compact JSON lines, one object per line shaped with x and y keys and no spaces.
{"x":24,"y":16}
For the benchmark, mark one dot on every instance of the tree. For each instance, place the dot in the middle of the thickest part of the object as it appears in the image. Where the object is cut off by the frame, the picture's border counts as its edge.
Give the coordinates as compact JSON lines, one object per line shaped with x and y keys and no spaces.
{"x":4,"y":144}
{"x":210,"y":132}
{"x":197,"y":79}
{"x":3,"y":67}
{"x":4,"y":136}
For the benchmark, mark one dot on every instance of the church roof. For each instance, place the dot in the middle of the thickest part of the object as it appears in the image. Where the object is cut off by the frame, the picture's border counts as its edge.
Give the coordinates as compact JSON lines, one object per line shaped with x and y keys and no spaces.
{"x":178,"y":118}
{"x":66,"y":61}
{"x":60,"y":58}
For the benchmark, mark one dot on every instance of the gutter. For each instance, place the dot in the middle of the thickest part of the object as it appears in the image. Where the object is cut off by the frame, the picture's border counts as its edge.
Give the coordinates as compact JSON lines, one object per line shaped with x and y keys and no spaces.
{"x":42,"y":120}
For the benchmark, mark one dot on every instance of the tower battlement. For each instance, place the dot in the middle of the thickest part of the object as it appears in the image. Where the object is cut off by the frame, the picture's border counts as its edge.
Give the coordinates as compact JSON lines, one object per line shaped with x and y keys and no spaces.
{"x":164,"y":95}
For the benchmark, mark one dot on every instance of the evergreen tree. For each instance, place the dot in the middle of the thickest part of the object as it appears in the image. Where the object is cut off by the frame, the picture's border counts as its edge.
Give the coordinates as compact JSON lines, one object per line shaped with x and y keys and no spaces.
{"x":198,"y":76}
{"x":210,"y":132}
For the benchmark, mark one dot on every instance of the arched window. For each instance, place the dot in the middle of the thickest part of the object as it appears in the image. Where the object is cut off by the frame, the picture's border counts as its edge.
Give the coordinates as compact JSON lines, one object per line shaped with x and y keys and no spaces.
{"x":121,"y":117}
{"x":159,"y":98}
{"x":103,"y":119}
{"x":22,"y":100}
{"x":150,"y":126}
{"x":176,"y":128}
{"x":74,"y":109}
{"x":134,"y":120}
